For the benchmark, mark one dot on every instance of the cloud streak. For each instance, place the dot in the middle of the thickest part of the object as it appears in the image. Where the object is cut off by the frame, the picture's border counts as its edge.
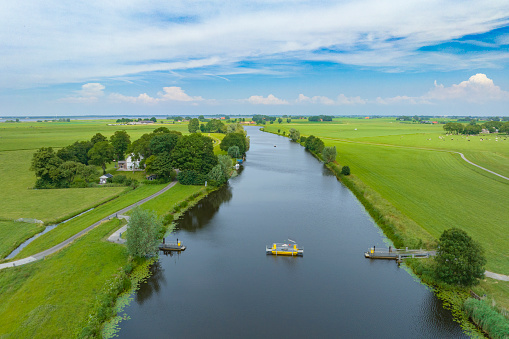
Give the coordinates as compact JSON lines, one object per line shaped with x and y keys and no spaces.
{"x":51,"y":42}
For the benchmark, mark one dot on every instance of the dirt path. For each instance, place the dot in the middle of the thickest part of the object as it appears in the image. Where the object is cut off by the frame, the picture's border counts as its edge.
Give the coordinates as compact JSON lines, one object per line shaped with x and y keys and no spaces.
{"x":56,"y":248}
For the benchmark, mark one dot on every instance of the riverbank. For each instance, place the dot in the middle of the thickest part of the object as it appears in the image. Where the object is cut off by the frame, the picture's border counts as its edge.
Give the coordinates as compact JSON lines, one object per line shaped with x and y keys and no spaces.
{"x":81,"y":280}
{"x":403,"y":231}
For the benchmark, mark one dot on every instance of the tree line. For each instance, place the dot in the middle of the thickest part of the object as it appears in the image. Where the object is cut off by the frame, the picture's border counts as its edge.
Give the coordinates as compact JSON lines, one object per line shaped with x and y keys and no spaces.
{"x":473,"y":128}
{"x":159,"y":153}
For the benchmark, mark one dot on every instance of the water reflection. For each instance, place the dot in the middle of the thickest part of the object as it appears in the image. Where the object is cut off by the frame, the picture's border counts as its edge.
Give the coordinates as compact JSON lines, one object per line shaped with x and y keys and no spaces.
{"x":199,"y":216}
{"x":152,"y":285}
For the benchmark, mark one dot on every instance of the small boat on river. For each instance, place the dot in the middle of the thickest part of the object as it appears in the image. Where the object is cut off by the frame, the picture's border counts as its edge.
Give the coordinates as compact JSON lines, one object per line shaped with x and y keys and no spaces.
{"x":175,"y":246}
{"x":291,"y":249}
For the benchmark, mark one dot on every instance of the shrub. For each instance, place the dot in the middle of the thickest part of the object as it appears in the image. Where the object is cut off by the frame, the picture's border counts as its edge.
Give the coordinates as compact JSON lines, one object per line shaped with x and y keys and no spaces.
{"x":119,"y":179}
{"x":191,"y":177}
{"x":345,"y":170}
{"x":168,"y":219}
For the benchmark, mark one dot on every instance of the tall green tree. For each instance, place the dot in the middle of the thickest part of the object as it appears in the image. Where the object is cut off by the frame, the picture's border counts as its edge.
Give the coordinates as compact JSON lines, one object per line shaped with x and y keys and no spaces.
{"x":120,"y":141}
{"x":98,"y":137}
{"x":234,"y":139}
{"x":194,"y":152}
{"x":233,"y":151}
{"x":160,"y":165}
{"x":329,"y":154}
{"x":294,"y":134}
{"x":142,"y":232}
{"x":194,"y":125}
{"x":460,"y":260}
{"x":101,"y":154}
{"x":163,"y":143}
{"x":45,"y":164}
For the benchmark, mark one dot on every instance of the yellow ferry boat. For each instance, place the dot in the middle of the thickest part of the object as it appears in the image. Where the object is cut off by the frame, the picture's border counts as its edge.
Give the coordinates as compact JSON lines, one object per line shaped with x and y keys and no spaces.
{"x":285,"y":249}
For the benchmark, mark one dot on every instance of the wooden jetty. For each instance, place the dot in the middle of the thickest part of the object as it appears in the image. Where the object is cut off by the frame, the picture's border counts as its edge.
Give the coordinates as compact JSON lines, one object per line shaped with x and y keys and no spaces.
{"x":175,"y":246}
{"x":397,"y":254}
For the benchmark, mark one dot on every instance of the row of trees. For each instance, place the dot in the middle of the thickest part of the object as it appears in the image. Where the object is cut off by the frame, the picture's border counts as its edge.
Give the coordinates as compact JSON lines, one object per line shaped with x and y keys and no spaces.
{"x":320,"y":118}
{"x":473,"y":128}
{"x":73,"y":165}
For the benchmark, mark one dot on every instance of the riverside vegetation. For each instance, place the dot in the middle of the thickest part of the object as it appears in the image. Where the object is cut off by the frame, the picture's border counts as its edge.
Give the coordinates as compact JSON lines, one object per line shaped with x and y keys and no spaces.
{"x":415,"y":186}
{"x":66,"y":295}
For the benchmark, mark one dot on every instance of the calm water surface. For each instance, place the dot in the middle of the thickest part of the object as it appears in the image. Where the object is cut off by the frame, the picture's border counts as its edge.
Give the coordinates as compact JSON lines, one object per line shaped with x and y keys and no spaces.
{"x":225,"y":286}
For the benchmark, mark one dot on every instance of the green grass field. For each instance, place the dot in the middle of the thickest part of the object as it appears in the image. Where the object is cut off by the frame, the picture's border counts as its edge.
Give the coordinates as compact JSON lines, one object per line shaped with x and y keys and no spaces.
{"x":166,"y":201}
{"x":52,"y":298}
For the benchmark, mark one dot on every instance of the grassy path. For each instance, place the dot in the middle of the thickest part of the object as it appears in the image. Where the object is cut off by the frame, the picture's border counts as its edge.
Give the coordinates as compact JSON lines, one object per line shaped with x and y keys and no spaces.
{"x":66,"y":242}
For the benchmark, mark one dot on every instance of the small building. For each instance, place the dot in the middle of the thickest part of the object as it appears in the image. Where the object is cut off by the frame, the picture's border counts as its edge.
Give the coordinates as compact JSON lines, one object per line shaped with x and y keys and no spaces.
{"x":104,"y":178}
{"x":151,"y":177}
{"x":129,"y":164}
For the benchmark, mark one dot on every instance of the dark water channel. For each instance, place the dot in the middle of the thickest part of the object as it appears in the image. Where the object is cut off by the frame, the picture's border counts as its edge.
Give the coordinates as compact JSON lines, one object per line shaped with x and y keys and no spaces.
{"x":225,"y":286}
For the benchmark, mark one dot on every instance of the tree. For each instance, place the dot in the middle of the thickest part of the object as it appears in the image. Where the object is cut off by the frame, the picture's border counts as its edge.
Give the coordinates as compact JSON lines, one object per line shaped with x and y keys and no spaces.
{"x":142,"y":232}
{"x":76,"y":152}
{"x":345,"y":170}
{"x":329,"y":154}
{"x":194,"y":125}
{"x":279,"y":120}
{"x":294,"y":134}
{"x":163,"y":143}
{"x":225,"y":162}
{"x":233,"y":151}
{"x":201,"y":118}
{"x":120,"y":142}
{"x":160,"y":165}
{"x":98,"y":137}
{"x":234,"y":139}
{"x":460,"y":260}
{"x":101,"y":154}
{"x":314,"y":144}
{"x":153,"y":119}
{"x":45,"y":164}
{"x":194,"y":152}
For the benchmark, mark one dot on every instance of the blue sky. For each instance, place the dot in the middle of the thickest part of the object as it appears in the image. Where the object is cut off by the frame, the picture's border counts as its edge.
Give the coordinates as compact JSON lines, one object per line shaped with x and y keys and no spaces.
{"x":258,"y":57}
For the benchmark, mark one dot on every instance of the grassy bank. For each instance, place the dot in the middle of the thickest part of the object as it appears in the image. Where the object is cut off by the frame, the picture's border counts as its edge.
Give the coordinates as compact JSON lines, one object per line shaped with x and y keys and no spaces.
{"x":51,"y":298}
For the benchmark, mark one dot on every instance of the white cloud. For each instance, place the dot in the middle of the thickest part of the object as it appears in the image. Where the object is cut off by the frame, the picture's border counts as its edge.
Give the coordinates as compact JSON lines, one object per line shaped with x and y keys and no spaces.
{"x":176,"y":94}
{"x":477,"y":89}
{"x":54,"y":42}
{"x":341,"y":100}
{"x":344,"y":100}
{"x":269,"y":100}
{"x":168,"y":94}
{"x":89,"y":93}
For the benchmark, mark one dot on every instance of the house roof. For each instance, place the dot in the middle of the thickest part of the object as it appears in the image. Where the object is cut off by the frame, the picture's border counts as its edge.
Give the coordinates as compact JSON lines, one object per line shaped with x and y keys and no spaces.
{"x":107,"y":175}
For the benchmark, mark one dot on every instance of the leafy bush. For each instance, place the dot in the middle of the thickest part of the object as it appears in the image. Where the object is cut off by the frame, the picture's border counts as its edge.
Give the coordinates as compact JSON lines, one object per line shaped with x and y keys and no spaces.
{"x":191,"y":177}
{"x":345,"y":170}
{"x":168,"y":219}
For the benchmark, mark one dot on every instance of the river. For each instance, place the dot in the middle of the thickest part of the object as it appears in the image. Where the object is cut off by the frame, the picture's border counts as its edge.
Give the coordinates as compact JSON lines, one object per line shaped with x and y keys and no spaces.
{"x":225,"y":286}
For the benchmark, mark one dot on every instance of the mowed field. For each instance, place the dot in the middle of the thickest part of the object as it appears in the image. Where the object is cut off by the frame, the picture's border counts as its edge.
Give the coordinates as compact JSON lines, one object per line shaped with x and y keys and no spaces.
{"x":414,"y":168}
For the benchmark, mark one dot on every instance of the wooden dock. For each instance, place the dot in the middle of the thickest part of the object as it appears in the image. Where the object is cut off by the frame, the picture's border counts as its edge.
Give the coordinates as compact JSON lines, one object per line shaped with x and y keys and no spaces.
{"x":397,"y":254}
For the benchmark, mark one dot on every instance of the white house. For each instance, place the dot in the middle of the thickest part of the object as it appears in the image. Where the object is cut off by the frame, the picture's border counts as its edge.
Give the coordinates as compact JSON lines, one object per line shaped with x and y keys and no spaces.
{"x":130,"y":164}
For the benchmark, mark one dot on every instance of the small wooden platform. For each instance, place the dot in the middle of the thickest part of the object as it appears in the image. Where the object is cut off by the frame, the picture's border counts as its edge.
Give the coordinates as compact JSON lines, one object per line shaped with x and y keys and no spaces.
{"x":171,"y":247}
{"x":397,"y":254}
